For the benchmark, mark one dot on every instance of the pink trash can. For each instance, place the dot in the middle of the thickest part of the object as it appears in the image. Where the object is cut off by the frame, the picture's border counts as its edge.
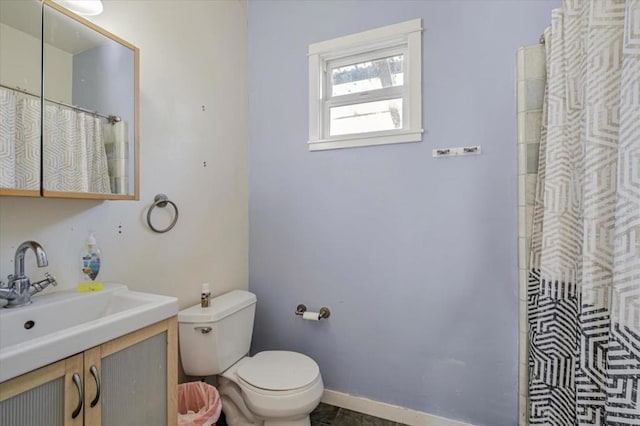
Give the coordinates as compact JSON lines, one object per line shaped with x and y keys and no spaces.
{"x":198,"y":404}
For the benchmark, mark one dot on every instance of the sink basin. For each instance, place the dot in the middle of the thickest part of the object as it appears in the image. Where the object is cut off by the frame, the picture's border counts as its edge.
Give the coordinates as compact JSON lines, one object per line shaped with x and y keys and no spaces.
{"x":64,"y":323}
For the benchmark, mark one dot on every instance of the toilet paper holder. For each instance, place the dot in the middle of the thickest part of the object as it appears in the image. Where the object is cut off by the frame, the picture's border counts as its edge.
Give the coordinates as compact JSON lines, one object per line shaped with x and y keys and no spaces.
{"x":324,"y":311}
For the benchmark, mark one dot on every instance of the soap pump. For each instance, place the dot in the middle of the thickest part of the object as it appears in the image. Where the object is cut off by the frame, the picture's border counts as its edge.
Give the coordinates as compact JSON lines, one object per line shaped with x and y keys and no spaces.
{"x":91,"y":259}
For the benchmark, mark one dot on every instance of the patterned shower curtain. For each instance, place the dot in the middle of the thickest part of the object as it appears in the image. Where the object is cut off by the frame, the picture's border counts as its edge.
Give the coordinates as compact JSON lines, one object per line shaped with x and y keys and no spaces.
{"x":116,"y":143}
{"x":19,"y":140}
{"x":584,"y":281}
{"x":75,"y":159}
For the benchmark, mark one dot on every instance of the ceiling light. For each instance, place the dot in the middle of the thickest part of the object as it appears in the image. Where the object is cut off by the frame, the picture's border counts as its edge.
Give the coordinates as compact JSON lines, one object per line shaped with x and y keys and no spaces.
{"x":83,"y":7}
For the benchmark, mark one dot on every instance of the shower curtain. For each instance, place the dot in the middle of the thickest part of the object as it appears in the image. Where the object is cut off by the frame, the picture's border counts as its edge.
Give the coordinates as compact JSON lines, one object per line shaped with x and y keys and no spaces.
{"x":19,"y":141}
{"x":75,"y":159}
{"x":74,"y":152}
{"x":584,"y":279}
{"x":116,"y":143}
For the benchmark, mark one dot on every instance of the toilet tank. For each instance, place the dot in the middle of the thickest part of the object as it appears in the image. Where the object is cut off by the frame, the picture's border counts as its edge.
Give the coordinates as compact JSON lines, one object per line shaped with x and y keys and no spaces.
{"x":212,"y":339}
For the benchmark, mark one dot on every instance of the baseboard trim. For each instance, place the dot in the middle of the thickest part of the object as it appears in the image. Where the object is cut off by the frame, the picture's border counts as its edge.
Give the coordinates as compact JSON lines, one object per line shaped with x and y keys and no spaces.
{"x":386,"y":411}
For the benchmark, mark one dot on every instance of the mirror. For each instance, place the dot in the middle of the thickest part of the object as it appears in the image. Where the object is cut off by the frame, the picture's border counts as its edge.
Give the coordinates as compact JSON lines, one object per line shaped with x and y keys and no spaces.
{"x":87,"y":132}
{"x":20,"y":83}
{"x":89,"y":108}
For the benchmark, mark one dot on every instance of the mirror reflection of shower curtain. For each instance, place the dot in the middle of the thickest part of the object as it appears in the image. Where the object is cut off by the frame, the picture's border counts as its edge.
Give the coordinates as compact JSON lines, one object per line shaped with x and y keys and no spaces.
{"x":584,"y":281}
{"x":75,"y":159}
{"x":19,"y":140}
{"x":116,"y":143}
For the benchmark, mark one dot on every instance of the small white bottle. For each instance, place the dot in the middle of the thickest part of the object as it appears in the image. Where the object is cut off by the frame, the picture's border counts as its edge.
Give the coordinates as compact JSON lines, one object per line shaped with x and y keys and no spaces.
{"x":205,"y":296}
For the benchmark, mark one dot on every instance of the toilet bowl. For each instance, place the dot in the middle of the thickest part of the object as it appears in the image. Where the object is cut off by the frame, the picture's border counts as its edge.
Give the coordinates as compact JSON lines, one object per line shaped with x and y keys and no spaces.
{"x":270,"y":388}
{"x":277,"y":387}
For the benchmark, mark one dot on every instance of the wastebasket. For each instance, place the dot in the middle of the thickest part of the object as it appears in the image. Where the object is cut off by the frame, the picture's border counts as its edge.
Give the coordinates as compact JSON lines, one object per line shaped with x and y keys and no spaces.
{"x":198,"y":404}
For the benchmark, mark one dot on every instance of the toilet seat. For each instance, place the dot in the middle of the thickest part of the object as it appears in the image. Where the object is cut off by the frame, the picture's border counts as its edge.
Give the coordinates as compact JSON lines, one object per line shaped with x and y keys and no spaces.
{"x":278,"y":371}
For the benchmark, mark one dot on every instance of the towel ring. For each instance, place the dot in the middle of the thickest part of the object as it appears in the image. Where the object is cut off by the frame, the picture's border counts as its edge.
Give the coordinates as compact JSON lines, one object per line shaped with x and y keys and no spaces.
{"x":161,"y":200}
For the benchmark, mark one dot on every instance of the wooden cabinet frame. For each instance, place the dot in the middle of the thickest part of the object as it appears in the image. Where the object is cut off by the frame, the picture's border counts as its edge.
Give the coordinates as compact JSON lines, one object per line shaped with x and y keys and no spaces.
{"x":81,"y":364}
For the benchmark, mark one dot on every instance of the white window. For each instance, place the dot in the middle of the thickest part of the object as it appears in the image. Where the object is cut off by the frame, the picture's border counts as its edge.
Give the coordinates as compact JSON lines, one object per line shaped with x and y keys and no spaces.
{"x":366,"y":88}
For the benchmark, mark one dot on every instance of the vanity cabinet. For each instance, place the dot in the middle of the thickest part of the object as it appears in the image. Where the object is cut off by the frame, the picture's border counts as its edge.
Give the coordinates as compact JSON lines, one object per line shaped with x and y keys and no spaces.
{"x":131,"y":380}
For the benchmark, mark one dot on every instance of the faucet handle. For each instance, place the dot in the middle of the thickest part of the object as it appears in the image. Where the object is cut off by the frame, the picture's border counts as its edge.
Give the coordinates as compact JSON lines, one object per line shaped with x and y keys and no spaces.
{"x":42,"y":284}
{"x":50,"y":279}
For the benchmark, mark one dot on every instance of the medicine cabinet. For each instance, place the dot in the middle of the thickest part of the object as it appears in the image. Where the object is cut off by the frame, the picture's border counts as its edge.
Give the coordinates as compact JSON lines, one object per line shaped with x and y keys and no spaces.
{"x":68,"y":104}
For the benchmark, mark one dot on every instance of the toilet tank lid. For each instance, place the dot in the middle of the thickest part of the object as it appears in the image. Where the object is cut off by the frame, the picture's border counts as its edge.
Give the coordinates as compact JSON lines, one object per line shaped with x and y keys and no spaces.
{"x":220,"y":307}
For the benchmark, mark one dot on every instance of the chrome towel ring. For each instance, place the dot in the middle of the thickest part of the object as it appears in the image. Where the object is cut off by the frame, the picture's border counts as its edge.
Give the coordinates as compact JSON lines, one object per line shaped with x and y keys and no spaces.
{"x":161,"y":200}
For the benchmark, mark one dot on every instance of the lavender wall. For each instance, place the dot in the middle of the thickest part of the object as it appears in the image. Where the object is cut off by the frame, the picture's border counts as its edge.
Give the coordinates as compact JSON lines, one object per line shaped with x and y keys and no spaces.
{"x":415,"y":256}
{"x":103,"y":80}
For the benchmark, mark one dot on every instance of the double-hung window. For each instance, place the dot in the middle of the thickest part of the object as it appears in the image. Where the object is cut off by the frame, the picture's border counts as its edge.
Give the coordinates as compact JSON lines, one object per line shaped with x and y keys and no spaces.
{"x":365,"y":89}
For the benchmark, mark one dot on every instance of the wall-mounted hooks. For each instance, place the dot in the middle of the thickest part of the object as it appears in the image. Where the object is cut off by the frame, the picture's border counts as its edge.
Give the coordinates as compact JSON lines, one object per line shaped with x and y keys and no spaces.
{"x":455,"y":151}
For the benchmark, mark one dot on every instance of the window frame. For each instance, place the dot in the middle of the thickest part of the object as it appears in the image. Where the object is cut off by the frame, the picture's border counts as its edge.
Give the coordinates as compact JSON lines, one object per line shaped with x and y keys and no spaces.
{"x":404,"y":38}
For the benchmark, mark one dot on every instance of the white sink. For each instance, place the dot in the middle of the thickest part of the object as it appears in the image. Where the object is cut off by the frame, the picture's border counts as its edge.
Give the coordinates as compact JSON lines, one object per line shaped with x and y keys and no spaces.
{"x":64,"y":323}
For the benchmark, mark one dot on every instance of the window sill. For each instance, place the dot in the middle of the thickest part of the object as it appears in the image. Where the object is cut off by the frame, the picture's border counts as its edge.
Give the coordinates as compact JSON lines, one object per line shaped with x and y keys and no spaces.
{"x":353,"y":141}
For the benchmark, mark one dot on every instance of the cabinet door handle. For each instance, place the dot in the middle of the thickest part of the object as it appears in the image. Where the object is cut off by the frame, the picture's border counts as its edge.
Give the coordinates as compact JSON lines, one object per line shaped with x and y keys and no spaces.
{"x":94,"y":372}
{"x":78,"y":382}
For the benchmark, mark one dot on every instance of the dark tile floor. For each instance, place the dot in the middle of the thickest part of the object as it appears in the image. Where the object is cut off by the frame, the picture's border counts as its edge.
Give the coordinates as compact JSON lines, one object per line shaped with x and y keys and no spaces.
{"x":329,"y":415}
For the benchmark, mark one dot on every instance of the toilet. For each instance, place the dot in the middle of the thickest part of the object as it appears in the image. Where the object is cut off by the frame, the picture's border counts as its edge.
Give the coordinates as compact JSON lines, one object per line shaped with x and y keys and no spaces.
{"x":268,"y":389}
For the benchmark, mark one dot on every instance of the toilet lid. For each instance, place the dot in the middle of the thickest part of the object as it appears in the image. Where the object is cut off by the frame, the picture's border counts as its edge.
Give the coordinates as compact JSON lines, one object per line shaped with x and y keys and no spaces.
{"x":279,"y":370}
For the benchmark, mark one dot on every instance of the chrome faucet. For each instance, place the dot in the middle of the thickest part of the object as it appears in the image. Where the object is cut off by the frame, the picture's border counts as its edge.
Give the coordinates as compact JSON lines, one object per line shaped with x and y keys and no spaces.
{"x":18,"y":290}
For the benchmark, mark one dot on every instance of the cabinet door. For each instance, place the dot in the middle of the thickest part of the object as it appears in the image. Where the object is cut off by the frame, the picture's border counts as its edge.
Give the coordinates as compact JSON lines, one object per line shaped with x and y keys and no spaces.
{"x":137,"y":378}
{"x":47,"y":396}
{"x":89,"y":109}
